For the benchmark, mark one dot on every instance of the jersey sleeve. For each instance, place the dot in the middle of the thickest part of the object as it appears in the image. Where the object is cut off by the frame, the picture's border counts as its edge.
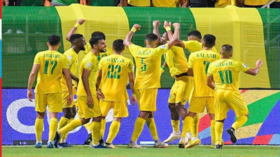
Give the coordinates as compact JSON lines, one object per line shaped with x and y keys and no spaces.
{"x":190,"y":64}
{"x":37,"y":59}
{"x":70,"y":58}
{"x":65,"y":62}
{"x":133,"y":49}
{"x":130,"y":66}
{"x":242,"y":66}
{"x":191,"y":45}
{"x":161,"y":49}
{"x":210,"y":70}
{"x":88,"y":64}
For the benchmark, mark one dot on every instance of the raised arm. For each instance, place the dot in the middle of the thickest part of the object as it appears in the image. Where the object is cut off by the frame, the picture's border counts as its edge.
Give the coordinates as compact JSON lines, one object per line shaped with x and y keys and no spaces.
{"x":156,"y":23}
{"x":73,"y":30}
{"x":31,"y":80}
{"x":255,"y":71}
{"x":127,"y":40}
{"x":172,"y":41}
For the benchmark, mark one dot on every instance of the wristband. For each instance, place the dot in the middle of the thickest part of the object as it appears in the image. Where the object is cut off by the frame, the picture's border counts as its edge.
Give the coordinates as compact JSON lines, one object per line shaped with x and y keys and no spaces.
{"x":133,"y":29}
{"x":163,"y":67}
{"x":77,"y":25}
{"x":167,"y":28}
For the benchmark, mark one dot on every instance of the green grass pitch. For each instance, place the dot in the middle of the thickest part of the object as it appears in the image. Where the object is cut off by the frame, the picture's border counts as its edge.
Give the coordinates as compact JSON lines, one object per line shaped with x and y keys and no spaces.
{"x":122,"y":151}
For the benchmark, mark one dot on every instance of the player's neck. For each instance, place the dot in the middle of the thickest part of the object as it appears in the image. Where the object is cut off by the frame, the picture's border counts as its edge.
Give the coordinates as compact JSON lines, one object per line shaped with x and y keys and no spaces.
{"x":116,"y":53}
{"x":207,"y":48}
{"x":53,"y":48}
{"x":77,"y":50}
{"x":95,"y":52}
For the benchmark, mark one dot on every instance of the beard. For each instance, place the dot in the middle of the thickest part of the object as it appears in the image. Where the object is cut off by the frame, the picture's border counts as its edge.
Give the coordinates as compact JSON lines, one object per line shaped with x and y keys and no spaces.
{"x":82,"y":48}
{"x":103,"y":50}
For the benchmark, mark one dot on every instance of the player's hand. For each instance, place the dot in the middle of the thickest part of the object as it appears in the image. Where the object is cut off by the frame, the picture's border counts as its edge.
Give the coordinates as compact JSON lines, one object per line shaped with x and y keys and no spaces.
{"x":81,"y":21}
{"x":100,"y":95}
{"x":133,"y":100}
{"x":90,"y":101}
{"x":156,"y":23}
{"x":176,"y":25}
{"x":69,"y":100}
{"x":166,"y":24}
{"x":29,"y":95}
{"x":259,"y":63}
{"x":137,"y":27}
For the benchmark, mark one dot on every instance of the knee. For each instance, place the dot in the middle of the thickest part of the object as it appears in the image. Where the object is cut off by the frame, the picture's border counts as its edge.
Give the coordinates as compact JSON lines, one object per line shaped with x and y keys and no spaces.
{"x":68,"y":115}
{"x":172,"y":106}
{"x":41,"y":115}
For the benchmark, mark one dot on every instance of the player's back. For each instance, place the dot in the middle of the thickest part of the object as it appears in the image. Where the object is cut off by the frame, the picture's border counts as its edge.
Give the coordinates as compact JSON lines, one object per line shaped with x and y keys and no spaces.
{"x":148,"y":62}
{"x":72,"y":57}
{"x":199,"y":62}
{"x":225,"y":73}
{"x":115,"y":69}
{"x":50,"y":71}
{"x":194,"y":46}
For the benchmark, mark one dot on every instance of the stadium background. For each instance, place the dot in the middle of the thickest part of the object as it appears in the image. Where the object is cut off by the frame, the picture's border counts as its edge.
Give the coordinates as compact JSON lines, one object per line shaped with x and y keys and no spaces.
{"x":254,"y":34}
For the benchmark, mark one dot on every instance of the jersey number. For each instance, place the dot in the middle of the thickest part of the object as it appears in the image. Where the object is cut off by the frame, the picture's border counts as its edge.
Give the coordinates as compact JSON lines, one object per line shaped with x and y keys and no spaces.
{"x":53,"y":63}
{"x":207,"y":65}
{"x":114,"y":71}
{"x":228,"y":76}
{"x":143,"y":65}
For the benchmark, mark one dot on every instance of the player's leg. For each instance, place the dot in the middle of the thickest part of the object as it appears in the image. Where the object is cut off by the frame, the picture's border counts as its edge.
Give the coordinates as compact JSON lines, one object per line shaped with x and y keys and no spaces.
{"x":88,"y":128}
{"x":40,"y":107}
{"x":238,"y":105}
{"x":73,"y":114}
{"x":55,"y":106}
{"x":105,"y":107}
{"x":221,"y":109}
{"x":175,"y":117}
{"x":120,"y":111}
{"x":211,"y":112}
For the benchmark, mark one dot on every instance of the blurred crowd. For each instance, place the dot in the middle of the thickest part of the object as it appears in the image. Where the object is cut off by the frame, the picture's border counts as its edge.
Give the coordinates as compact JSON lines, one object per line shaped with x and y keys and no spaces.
{"x":147,"y":3}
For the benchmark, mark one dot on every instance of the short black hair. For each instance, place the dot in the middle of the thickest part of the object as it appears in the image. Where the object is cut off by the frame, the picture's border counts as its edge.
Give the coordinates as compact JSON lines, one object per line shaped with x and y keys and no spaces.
{"x":94,"y":40}
{"x":209,"y":40}
{"x":227,"y":48}
{"x":195,"y":33}
{"x":98,"y":34}
{"x":74,"y":37}
{"x":118,"y":45}
{"x":151,"y":37}
{"x":54,"y":40}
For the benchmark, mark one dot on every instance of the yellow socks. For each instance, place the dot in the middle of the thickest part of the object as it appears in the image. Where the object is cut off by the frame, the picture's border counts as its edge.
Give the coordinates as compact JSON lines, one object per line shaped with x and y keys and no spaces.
{"x":188,"y":121}
{"x":39,"y":124}
{"x":175,"y":125}
{"x":114,"y":129}
{"x":152,"y":127}
{"x":194,"y":126}
{"x":53,"y":128}
{"x":88,"y":127}
{"x":138,"y":127}
{"x":95,"y":131}
{"x":103,"y":127}
{"x":219,"y":126}
{"x":70,"y":126}
{"x":213,"y":137}
{"x":64,"y":136}
{"x":240,"y":121}
{"x":62,"y":122}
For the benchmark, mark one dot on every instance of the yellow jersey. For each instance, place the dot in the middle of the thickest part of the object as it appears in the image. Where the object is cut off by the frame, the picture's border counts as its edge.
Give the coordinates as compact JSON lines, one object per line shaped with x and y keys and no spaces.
{"x":72,"y":57}
{"x":165,"y":3}
{"x":225,"y":73}
{"x":193,"y":46}
{"x":50,"y":71}
{"x":148,"y":62}
{"x":88,"y":48}
{"x":115,"y":69}
{"x":176,"y":61}
{"x":199,"y":62}
{"x":139,"y":3}
{"x":89,"y":62}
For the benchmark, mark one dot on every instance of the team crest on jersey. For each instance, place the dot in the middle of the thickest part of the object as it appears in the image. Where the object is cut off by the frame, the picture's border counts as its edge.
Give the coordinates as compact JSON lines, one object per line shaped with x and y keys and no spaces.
{"x":245,"y":66}
{"x":163,"y":46}
{"x":69,"y":57}
{"x":88,"y":65}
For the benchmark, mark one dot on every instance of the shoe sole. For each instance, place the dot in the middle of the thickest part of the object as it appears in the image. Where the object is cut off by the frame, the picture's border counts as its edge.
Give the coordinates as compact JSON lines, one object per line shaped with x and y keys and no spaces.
{"x":181,"y":145}
{"x":190,"y":146}
{"x":171,"y":140}
{"x":232,"y":136}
